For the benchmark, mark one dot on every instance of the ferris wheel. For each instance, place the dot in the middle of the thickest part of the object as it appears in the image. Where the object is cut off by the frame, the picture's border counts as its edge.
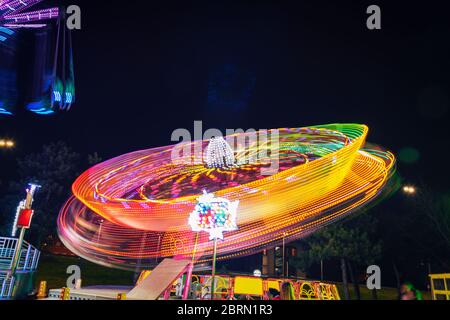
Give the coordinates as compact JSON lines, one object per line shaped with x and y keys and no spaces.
{"x":52,"y":87}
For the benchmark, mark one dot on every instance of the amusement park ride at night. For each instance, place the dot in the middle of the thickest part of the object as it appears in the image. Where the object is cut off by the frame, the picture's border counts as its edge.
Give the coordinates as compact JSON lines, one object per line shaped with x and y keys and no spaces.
{"x":132,"y":210}
{"x":17,"y":14}
{"x":53,"y":86}
{"x":141,"y":208}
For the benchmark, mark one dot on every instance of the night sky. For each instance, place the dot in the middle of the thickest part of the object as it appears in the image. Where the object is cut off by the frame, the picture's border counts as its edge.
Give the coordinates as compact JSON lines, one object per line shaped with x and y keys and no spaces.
{"x":143,"y":71}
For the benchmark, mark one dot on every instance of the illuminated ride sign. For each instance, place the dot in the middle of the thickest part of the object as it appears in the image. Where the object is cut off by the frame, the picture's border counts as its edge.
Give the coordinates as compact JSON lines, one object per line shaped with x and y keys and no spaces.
{"x":214,"y":215}
{"x":24,"y":220}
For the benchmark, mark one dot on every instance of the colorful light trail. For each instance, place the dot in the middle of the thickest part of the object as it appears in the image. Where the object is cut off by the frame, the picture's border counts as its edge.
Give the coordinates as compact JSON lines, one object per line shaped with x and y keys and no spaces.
{"x":136,"y":207}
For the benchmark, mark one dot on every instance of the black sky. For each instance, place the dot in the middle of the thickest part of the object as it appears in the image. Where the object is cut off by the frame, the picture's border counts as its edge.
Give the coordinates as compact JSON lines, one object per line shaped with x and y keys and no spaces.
{"x":144,"y":69}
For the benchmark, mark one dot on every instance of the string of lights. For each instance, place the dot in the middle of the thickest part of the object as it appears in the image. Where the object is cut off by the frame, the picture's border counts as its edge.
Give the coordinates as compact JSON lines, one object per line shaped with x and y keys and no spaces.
{"x":16,"y":13}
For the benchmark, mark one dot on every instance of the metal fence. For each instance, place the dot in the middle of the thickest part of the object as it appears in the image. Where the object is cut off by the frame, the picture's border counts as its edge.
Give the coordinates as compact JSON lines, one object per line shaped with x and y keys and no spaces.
{"x":6,"y":285}
{"x":28,"y":262}
{"x":7,"y":251}
{"x":29,"y":255}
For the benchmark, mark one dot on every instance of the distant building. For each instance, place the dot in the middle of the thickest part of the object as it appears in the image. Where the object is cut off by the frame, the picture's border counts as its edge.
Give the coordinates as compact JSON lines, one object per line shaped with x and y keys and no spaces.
{"x":272,"y":262}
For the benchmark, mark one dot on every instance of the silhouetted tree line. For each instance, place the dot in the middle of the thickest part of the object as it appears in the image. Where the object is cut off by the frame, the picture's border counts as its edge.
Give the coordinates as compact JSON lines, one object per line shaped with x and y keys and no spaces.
{"x":55,"y":168}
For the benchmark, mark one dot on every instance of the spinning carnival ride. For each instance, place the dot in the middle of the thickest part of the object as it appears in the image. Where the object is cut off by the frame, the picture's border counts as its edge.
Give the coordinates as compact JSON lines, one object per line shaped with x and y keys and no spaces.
{"x":134,"y":209}
{"x":51,"y":64}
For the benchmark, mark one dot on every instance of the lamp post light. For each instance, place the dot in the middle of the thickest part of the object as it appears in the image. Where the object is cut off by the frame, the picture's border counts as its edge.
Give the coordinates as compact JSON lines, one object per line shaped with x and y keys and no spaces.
{"x":408,"y":189}
{"x":7,"y":144}
{"x":214,"y":215}
{"x":23,"y":221}
{"x":284,"y":255}
{"x":257,"y":273}
{"x":100,"y":230}
{"x":211,"y":214}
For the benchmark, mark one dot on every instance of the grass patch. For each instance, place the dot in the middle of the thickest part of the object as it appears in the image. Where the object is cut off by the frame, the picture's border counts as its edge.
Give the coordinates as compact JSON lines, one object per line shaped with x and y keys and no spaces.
{"x":385,"y":293}
{"x":53,"y":268}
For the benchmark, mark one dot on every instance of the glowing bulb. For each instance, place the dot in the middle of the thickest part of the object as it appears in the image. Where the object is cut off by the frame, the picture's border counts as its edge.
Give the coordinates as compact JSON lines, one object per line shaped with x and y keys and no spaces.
{"x":6,"y":143}
{"x":409,"y":189}
{"x":219,"y":154}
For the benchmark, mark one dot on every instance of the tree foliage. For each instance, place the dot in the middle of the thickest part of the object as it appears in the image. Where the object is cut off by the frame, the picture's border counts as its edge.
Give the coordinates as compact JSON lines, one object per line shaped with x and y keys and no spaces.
{"x":55,"y":168}
{"x":353,"y":240}
{"x":436,"y":209}
{"x":420,"y":231}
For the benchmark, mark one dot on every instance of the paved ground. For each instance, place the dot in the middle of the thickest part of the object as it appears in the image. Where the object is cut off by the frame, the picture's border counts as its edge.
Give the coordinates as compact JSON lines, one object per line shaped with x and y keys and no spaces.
{"x":94,"y":292}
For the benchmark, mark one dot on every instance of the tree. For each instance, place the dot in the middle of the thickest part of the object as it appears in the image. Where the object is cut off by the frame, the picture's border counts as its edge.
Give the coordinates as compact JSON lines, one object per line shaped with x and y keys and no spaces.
{"x":350,"y":241}
{"x":436,"y":209}
{"x":418,"y":235}
{"x":94,"y":159}
{"x":54,"y":168}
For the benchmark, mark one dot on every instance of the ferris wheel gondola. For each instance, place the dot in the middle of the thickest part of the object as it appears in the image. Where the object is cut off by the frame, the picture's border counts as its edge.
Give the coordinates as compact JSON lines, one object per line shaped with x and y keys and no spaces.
{"x":53,"y":82}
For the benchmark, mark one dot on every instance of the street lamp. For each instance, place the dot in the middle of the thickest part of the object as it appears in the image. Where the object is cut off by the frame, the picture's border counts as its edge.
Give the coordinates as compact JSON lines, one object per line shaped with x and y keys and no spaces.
{"x":7,"y":143}
{"x":100,"y":230}
{"x":409,"y":189}
{"x":23,"y":221}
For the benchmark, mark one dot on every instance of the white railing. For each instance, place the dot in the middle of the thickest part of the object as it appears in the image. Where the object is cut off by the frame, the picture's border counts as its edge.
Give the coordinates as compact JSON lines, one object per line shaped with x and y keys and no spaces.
{"x":29,"y":255}
{"x":28,"y":261}
{"x":7,"y":251}
{"x":6,"y":285}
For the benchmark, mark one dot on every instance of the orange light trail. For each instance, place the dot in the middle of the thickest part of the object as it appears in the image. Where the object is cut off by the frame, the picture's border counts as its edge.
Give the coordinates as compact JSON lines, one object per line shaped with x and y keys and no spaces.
{"x":144,"y":199}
